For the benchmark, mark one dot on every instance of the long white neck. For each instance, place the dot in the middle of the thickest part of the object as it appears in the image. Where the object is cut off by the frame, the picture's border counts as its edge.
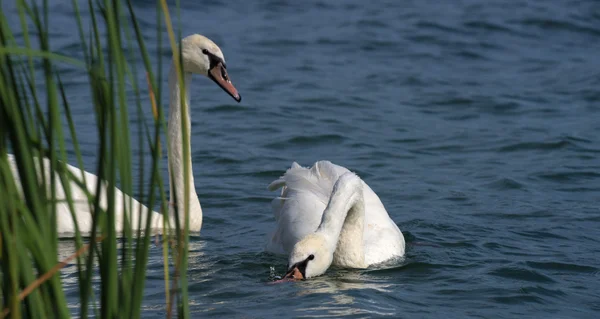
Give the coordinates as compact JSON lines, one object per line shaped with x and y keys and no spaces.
{"x":175,"y":152}
{"x":343,"y":222}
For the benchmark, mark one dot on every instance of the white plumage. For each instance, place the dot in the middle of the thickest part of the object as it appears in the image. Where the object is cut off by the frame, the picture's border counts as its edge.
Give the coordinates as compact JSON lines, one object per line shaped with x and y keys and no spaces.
{"x":306,"y":192}
{"x":64,"y":220}
{"x":200,"y":56}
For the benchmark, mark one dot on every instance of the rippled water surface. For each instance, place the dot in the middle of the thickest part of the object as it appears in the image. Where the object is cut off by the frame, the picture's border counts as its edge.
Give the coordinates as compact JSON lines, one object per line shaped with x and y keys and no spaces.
{"x":476,"y":122}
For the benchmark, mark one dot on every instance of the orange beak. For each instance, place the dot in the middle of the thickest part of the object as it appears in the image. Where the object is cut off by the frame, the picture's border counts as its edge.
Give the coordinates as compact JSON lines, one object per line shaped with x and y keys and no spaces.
{"x":218,"y":73}
{"x":294,"y":274}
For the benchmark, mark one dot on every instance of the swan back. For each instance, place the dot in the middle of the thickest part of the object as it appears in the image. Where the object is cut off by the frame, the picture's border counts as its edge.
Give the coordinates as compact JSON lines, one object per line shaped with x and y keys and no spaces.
{"x":304,"y":195}
{"x":82,"y":208}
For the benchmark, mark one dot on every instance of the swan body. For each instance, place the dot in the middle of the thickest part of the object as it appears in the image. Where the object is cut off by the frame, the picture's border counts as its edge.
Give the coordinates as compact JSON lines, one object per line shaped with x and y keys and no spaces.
{"x":200,"y":55}
{"x":326,"y":215}
{"x":64,"y":220}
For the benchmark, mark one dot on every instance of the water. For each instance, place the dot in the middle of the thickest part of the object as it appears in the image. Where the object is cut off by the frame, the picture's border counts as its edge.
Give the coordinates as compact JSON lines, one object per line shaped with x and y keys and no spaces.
{"x":476,"y":122}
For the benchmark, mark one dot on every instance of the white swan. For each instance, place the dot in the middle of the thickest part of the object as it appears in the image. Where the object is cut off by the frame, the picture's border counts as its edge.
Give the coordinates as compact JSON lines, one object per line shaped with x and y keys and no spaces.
{"x":201,"y":56}
{"x":327,"y":215}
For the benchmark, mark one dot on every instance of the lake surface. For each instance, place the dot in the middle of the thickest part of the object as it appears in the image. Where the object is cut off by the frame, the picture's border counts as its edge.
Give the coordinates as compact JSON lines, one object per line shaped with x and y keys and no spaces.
{"x":476,"y":122}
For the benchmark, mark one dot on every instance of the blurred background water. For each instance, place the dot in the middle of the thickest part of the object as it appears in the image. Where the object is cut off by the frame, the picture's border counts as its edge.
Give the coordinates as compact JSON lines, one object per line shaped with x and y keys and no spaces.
{"x":476,"y":122}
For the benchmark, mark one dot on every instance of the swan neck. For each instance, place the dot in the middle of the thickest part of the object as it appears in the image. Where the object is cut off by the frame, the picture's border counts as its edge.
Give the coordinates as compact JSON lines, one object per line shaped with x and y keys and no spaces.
{"x":343,"y":221}
{"x":175,"y":151}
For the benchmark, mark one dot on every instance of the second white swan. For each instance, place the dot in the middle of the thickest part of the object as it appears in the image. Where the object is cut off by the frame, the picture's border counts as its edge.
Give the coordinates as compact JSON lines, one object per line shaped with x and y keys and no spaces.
{"x":327,"y":215}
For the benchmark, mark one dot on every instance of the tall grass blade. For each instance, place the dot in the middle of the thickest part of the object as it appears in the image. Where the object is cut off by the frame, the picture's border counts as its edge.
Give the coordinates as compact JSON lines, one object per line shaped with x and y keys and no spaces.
{"x":40,"y":190}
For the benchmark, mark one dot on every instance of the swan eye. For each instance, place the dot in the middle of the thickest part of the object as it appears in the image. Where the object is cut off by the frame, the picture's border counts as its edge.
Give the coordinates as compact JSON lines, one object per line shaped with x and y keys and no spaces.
{"x":311,"y":257}
{"x":205,"y":51}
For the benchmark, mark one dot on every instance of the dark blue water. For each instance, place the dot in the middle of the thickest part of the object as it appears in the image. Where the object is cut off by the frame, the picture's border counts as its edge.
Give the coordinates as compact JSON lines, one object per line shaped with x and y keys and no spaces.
{"x":476,"y":122}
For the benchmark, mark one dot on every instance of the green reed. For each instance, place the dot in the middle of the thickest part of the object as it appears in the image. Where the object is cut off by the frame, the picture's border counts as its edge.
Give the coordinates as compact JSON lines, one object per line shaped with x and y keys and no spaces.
{"x":35,"y":121}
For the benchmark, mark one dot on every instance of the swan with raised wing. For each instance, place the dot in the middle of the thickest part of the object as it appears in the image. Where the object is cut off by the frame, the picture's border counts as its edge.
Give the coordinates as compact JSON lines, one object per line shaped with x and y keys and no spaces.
{"x":326,"y":215}
{"x":201,"y":56}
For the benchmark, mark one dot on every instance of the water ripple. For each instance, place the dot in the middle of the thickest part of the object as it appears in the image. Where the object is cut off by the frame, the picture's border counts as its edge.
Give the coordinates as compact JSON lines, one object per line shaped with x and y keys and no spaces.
{"x":562,"y":267}
{"x":523,"y":274}
{"x":325,"y":139}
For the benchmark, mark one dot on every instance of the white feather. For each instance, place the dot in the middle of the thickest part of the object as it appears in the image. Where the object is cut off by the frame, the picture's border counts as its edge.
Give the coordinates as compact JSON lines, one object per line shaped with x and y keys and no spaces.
{"x":299,"y":209}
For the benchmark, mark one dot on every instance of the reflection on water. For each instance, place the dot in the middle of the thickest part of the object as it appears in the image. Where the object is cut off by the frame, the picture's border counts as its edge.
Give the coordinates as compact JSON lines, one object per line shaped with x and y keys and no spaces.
{"x":339,"y":289}
{"x":340,"y":302}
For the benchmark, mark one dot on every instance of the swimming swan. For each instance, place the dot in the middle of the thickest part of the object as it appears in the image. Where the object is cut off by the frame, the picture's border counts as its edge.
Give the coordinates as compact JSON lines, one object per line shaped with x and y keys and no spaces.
{"x":327,"y":215}
{"x":200,"y":56}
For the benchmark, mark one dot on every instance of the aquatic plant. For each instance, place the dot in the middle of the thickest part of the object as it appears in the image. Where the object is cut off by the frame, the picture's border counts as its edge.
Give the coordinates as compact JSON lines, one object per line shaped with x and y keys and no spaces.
{"x":36,"y":125}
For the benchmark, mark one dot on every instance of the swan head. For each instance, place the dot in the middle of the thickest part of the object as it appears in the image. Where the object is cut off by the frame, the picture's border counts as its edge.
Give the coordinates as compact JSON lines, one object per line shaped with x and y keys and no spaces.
{"x":202,"y":56}
{"x":310,"y":257}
